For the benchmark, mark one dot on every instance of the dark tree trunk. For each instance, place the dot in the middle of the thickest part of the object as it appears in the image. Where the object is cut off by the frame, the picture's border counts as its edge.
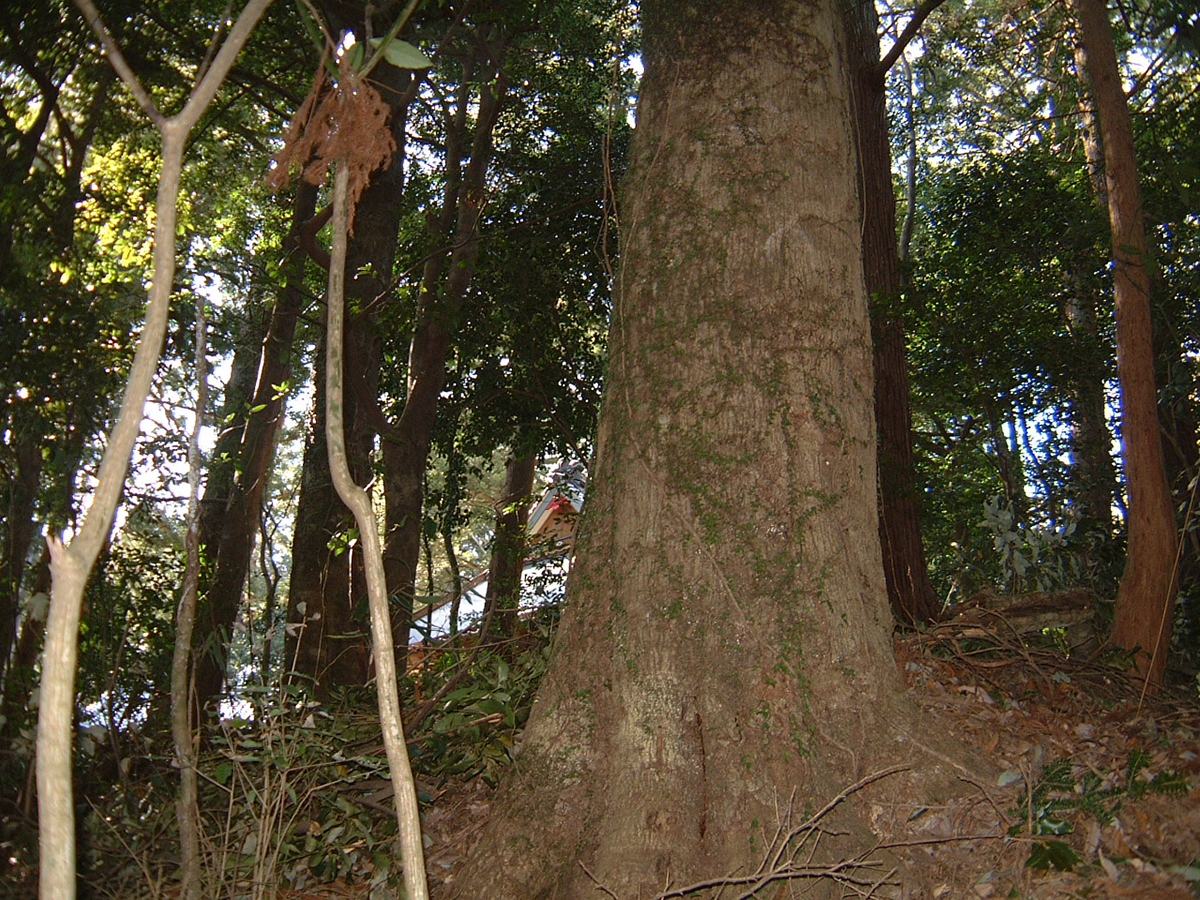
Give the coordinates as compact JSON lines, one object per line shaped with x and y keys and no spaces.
{"x":445,"y":281}
{"x":1146,"y":598}
{"x":58,"y":506}
{"x":1094,"y":474}
{"x":508,"y":547}
{"x":910,"y":591}
{"x":724,"y":653}
{"x":327,"y":634}
{"x":20,"y":497}
{"x":328,"y":637}
{"x":233,"y":521}
{"x":20,"y":677}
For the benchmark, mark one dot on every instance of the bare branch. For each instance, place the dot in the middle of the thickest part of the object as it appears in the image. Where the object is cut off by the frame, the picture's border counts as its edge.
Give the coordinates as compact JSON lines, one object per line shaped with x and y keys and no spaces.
{"x":920,"y":14}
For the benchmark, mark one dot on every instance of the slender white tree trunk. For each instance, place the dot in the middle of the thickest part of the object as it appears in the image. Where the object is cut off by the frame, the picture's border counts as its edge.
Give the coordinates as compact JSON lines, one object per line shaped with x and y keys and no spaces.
{"x":358,"y":501}
{"x":71,"y":562}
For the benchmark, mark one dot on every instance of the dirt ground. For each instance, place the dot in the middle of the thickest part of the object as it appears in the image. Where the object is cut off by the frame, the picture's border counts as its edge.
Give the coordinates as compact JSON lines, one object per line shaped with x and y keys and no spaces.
{"x":1063,"y":729}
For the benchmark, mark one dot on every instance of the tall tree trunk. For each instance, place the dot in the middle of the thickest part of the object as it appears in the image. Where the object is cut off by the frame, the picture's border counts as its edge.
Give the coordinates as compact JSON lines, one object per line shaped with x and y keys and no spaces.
{"x":215,"y":611}
{"x":445,"y":281}
{"x":1146,"y":598}
{"x":508,"y":547}
{"x":1095,"y":474}
{"x":328,"y":640}
{"x":234,"y":520}
{"x":907,"y":573}
{"x":1091,"y":459}
{"x":724,"y":656}
{"x":19,"y":497}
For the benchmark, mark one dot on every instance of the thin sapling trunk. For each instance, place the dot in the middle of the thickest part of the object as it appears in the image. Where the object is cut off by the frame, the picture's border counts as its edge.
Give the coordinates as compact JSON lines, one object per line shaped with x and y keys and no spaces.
{"x":71,"y":561}
{"x":412,"y":852}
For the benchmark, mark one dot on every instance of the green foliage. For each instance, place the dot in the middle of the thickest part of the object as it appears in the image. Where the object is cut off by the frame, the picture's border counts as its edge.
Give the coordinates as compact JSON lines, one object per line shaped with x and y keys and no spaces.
{"x":127,"y":635}
{"x":1063,"y":792}
{"x":1045,"y":557}
{"x":402,"y":54}
{"x":476,"y":727}
{"x":298,"y":795}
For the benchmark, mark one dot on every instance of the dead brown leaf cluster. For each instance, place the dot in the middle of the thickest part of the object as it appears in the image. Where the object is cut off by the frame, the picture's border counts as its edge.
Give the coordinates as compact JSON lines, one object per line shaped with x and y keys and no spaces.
{"x":344,"y":122}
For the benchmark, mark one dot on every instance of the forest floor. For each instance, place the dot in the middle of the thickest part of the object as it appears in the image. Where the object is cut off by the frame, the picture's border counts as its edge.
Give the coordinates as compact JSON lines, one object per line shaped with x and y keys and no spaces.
{"x":1115,"y":811}
{"x":1091,"y":792}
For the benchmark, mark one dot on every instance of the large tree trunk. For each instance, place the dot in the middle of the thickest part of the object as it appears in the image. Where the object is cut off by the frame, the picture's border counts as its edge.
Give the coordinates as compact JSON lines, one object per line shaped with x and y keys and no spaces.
{"x":445,"y":281}
{"x":723,"y":657}
{"x":909,"y":589}
{"x":233,"y":525}
{"x":1146,"y":598}
{"x":328,"y":639}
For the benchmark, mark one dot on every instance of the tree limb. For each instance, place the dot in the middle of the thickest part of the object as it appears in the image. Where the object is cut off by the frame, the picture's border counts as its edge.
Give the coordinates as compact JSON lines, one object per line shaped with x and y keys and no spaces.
{"x":920,"y":14}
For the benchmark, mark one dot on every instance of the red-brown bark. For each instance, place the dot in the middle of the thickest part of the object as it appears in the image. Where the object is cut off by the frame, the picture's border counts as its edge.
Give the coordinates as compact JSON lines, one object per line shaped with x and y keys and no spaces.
{"x":1146,"y":598}
{"x":910,"y":591}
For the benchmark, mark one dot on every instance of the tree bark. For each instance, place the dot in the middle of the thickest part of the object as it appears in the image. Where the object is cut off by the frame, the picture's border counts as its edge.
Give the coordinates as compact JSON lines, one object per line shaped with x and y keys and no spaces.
{"x":1146,"y":597}
{"x":508,"y":547}
{"x":327,"y":614}
{"x":233,"y":516}
{"x":910,"y":591}
{"x":445,"y":281}
{"x":724,"y":652}
{"x":327,"y":641}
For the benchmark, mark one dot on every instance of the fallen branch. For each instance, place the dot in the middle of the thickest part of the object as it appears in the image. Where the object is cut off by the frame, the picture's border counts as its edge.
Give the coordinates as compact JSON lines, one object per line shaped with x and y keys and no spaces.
{"x":782,"y":862}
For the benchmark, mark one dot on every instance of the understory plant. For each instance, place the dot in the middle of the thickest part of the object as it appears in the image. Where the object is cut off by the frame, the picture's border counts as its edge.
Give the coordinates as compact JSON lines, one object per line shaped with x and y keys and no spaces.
{"x":296,"y":794}
{"x":1050,"y":806}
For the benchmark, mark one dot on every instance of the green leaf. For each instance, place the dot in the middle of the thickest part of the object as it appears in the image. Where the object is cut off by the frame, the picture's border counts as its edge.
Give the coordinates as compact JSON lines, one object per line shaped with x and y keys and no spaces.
{"x":1046,"y":855}
{"x":1187,"y":873}
{"x":402,"y":54}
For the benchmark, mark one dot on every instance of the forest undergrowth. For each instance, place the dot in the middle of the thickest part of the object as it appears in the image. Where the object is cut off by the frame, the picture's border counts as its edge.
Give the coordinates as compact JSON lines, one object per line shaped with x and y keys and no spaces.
{"x":1095,"y":796}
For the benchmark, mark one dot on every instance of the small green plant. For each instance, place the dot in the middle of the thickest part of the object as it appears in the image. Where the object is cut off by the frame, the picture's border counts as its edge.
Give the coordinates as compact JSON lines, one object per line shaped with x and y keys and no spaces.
{"x":475,"y":730}
{"x":1059,"y":794}
{"x":1032,"y":557}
